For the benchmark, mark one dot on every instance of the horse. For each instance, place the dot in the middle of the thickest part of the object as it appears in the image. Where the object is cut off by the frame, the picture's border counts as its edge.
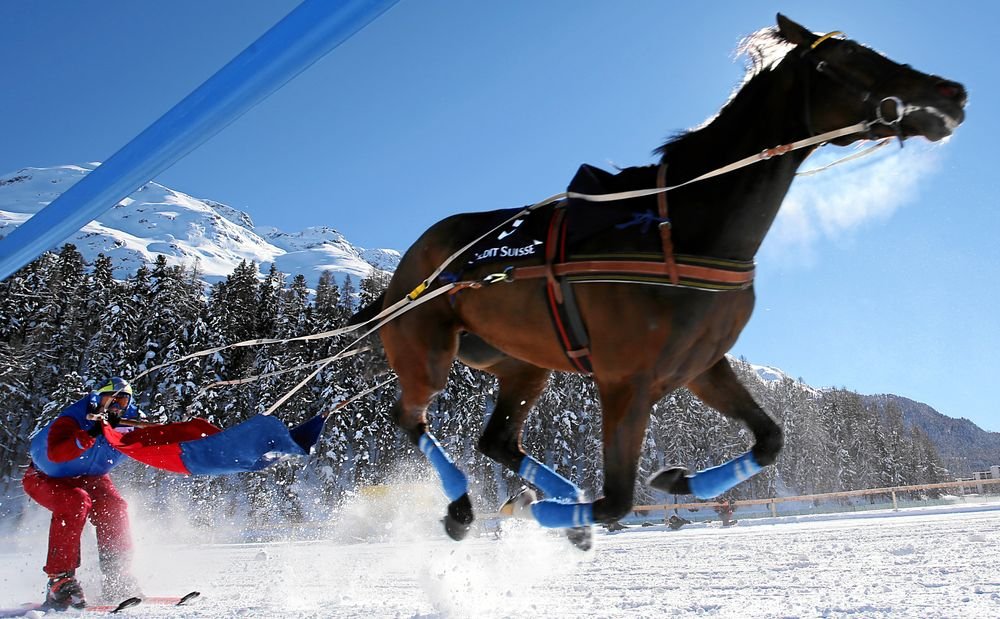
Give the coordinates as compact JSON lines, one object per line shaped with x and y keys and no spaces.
{"x":647,"y":293}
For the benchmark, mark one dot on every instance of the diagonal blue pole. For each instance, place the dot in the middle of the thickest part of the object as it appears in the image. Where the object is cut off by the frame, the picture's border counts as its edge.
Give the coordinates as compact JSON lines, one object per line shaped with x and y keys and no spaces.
{"x":304,"y":36}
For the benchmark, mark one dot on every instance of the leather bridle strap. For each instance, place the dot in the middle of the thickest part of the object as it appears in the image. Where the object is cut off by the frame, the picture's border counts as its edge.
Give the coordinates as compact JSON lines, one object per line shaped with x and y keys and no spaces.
{"x":665,"y":225}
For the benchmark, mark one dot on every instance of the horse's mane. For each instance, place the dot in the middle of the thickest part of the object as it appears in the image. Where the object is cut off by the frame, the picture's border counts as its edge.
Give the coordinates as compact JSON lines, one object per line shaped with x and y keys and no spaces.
{"x":763,"y":50}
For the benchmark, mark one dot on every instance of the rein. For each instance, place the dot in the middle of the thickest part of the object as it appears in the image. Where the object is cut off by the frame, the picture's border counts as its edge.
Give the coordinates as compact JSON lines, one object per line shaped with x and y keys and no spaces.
{"x":764,"y":155}
{"x":697,"y":272}
{"x":412,"y":300}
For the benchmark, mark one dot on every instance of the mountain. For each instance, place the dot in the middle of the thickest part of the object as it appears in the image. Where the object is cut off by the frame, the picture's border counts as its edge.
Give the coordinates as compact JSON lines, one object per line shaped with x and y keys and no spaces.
{"x":964,"y":446}
{"x":192,"y":231}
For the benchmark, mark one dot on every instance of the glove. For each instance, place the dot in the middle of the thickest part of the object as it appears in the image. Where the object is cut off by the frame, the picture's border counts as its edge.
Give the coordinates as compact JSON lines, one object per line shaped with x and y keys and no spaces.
{"x":96,"y":430}
{"x":114,"y":419}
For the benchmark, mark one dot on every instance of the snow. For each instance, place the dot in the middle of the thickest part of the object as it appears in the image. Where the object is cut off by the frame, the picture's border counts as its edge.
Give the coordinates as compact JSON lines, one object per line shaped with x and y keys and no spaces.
{"x":768,"y":374}
{"x":919,"y":562}
{"x":156,"y":219}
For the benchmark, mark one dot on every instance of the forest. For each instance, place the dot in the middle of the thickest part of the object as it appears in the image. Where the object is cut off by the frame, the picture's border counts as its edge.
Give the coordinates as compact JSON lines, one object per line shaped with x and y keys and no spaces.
{"x":66,"y":325}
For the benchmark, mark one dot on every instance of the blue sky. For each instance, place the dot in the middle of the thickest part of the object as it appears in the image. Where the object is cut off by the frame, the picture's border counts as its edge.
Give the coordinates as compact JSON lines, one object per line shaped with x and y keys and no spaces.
{"x":878,"y":277}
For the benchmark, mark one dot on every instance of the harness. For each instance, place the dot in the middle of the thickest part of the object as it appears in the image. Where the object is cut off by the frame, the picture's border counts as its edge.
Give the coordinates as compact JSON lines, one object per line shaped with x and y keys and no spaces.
{"x":563,"y":269}
{"x":563,"y":236}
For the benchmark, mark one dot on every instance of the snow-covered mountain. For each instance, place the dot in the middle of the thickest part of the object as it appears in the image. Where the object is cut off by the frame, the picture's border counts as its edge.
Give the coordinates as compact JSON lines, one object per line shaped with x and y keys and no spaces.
{"x":771,"y":376}
{"x":160,"y":220}
{"x":768,"y":374}
{"x":963,"y":446}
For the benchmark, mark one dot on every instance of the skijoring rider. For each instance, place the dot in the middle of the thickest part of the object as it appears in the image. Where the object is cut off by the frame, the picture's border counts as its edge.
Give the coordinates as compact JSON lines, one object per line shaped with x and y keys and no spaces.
{"x":68,"y":475}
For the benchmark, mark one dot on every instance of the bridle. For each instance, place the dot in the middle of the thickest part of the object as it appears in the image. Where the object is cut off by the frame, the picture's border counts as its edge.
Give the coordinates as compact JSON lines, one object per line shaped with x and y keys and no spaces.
{"x":879,"y":113}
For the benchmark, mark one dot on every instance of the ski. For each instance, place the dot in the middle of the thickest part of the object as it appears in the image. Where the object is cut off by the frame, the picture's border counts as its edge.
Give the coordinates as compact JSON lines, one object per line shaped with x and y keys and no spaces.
{"x":172,"y":600}
{"x":24,"y":609}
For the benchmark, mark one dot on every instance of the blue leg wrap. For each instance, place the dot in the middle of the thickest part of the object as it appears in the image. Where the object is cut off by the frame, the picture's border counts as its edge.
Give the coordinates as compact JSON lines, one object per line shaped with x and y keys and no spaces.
{"x":454,"y":481}
{"x":554,"y":485}
{"x":710,"y":483}
{"x":557,"y":515}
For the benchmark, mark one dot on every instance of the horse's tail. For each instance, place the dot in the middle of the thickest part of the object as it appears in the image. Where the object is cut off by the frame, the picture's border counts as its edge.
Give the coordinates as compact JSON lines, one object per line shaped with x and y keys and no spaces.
{"x":367,"y":312}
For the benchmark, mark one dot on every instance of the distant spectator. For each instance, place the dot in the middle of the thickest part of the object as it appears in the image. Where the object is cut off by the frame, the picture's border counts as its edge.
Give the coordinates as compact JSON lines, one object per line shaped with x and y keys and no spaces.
{"x":725,"y":512}
{"x":675,"y":522}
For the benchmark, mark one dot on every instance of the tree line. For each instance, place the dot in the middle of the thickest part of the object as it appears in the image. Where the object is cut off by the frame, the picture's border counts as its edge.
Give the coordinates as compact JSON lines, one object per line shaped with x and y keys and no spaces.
{"x":65,"y":325}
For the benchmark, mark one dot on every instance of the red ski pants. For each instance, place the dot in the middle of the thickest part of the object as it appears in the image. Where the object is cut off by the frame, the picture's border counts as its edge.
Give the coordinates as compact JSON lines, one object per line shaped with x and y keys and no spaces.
{"x":71,"y":500}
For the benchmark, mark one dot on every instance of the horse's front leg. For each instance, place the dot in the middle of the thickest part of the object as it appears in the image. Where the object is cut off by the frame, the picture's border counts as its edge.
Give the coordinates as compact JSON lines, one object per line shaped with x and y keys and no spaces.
{"x":721,"y":389}
{"x":626,"y":408}
{"x":422,"y":359}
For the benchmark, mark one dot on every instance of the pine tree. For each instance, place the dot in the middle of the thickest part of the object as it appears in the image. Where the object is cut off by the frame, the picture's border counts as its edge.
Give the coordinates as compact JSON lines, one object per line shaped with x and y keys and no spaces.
{"x":113,"y":346}
{"x":237,"y":311}
{"x":348,"y":295}
{"x":896,"y":469}
{"x":373,"y":285}
{"x":70,"y":288}
{"x":328,"y":308}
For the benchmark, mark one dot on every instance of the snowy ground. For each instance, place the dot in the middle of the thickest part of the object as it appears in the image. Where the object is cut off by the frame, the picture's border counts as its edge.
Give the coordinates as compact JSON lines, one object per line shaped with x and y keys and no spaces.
{"x":925,"y":562}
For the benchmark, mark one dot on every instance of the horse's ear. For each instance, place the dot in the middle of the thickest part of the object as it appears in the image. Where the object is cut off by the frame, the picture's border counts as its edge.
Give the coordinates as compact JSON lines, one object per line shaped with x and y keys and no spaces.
{"x":794,"y":33}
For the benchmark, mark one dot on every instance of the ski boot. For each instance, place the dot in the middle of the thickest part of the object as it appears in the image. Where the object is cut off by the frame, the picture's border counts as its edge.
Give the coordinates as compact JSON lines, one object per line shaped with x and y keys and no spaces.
{"x":64,"y":591}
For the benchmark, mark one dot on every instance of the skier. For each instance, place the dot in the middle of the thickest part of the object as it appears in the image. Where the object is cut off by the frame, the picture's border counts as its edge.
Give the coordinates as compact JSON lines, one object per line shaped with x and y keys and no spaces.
{"x":68,"y":475}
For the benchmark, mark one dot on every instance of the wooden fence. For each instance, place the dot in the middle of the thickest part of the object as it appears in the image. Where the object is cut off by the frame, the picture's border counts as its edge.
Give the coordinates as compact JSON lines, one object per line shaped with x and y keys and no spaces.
{"x":772,"y":503}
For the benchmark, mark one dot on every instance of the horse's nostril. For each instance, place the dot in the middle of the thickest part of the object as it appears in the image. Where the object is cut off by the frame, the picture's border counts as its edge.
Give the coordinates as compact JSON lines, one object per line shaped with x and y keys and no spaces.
{"x":952,"y":90}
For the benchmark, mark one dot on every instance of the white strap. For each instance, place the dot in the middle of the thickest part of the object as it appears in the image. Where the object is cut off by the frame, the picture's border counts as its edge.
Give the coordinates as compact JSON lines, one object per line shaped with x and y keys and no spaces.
{"x":410,"y":301}
{"x":401,"y":309}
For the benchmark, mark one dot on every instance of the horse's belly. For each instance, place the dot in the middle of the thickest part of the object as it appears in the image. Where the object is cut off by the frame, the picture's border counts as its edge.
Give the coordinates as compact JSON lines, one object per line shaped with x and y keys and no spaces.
{"x":674,"y":335}
{"x":515,"y":319}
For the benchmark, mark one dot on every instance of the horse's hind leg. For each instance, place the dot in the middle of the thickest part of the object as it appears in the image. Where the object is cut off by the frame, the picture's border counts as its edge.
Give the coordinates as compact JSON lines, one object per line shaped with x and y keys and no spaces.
{"x":421,"y":355}
{"x":626,"y":405}
{"x":721,"y":389}
{"x":520,"y":385}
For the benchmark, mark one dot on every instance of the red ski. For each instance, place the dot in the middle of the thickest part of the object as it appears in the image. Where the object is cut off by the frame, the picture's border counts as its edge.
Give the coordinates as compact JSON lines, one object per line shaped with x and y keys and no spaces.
{"x":24,"y":609}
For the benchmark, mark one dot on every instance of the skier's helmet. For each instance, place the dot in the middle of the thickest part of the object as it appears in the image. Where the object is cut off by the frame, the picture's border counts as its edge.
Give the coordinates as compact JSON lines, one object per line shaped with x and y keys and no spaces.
{"x":118,"y":388}
{"x":115,"y":385}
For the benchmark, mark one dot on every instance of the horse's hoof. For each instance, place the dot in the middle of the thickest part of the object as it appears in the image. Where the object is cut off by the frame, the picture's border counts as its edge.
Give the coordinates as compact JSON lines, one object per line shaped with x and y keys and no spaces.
{"x":673,"y":480}
{"x":581,"y":537}
{"x":519,"y":505}
{"x":459,"y":519}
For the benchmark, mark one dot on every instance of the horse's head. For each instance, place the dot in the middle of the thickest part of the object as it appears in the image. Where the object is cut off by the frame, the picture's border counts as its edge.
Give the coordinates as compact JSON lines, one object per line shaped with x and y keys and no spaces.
{"x":848,"y":82}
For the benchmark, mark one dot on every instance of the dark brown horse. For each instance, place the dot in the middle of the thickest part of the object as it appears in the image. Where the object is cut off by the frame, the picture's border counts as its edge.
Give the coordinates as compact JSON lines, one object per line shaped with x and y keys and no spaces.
{"x":642,"y":326}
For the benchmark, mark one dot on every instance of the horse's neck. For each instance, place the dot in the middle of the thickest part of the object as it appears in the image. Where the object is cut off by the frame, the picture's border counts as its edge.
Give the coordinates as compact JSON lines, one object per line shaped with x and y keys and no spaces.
{"x":729,"y":216}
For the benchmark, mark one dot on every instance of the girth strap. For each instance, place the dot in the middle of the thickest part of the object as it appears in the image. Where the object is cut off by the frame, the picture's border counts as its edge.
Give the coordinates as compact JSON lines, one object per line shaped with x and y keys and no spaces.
{"x":563,"y":309}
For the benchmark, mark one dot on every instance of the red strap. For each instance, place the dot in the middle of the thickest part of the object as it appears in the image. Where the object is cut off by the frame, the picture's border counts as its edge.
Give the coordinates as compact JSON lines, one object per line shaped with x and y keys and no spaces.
{"x":668,"y":244}
{"x":551,"y":247}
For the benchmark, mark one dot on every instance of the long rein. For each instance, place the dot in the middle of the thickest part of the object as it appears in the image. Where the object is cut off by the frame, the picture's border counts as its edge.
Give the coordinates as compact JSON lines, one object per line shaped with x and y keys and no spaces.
{"x":419,"y":295}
